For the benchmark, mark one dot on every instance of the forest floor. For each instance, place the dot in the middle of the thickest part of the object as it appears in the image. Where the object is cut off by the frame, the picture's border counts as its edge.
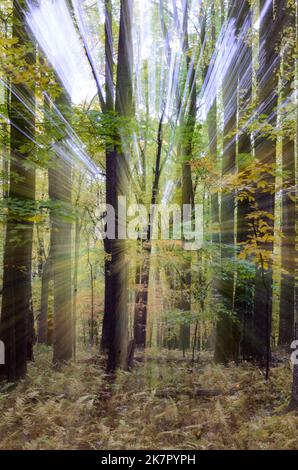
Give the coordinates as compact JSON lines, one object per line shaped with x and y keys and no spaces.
{"x":164,"y":403}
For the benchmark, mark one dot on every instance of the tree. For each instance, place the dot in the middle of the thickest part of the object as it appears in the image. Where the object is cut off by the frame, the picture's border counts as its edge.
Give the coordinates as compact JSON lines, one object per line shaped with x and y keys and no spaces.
{"x":60,"y":192}
{"x":117,"y":179}
{"x":225,"y":328}
{"x":17,"y":314}
{"x":213,"y":141}
{"x":244,"y":288}
{"x":188,"y":125}
{"x":43,"y":318}
{"x":43,"y":336}
{"x":265,"y":153}
{"x":79,"y":216}
{"x":109,"y":109}
{"x":143,"y":270}
{"x":287,"y":287}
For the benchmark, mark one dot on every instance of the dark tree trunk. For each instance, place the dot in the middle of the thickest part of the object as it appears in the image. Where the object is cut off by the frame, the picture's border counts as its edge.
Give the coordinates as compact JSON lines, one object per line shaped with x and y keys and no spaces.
{"x":143,"y":270}
{"x":287,"y":288}
{"x":265,"y":151}
{"x":224,"y":348}
{"x":117,"y":175}
{"x":109,"y":108}
{"x":294,"y":398}
{"x":17,"y":316}
{"x":141,"y":302}
{"x":243,"y":305}
{"x":227,"y":330}
{"x":244,"y":286}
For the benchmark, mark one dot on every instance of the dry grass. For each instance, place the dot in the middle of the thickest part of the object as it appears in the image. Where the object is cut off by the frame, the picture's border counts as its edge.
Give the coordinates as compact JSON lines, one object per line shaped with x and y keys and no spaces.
{"x":153,"y":407}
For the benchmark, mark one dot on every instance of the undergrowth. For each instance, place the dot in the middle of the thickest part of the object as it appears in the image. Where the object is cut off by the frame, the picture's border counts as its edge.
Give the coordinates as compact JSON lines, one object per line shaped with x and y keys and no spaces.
{"x":162,"y":404}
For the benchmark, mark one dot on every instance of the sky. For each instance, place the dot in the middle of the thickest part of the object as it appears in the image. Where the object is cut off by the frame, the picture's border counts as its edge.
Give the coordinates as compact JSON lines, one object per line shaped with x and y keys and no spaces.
{"x":54,"y":29}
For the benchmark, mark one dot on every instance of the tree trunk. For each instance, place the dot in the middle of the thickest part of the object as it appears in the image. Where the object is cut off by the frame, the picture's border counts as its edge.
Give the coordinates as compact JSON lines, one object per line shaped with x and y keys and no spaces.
{"x":243,"y":305}
{"x":141,"y":302}
{"x":17,"y":316}
{"x":294,"y":398}
{"x":224,"y":350}
{"x":212,"y":136}
{"x":188,"y":125}
{"x":265,"y":152}
{"x":287,"y":288}
{"x":60,"y":195}
{"x":46,"y":277}
{"x":117,"y":175}
{"x":143,"y":271}
{"x":91,"y":320}
{"x":109,"y":108}
{"x":75,"y":283}
{"x":47,"y":274}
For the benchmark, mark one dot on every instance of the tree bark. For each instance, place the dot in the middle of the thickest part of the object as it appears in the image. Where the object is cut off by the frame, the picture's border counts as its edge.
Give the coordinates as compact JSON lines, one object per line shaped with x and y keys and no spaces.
{"x":265,"y":152}
{"x":188,"y":125}
{"x":141,"y":301}
{"x":143,"y":271}
{"x":46,"y":277}
{"x":224,"y":350}
{"x":109,"y":108}
{"x":75,"y":282}
{"x":287,"y":288}
{"x":117,"y":175}
{"x":60,"y":195}
{"x":17,"y":316}
{"x":243,"y":305}
{"x":212,"y":136}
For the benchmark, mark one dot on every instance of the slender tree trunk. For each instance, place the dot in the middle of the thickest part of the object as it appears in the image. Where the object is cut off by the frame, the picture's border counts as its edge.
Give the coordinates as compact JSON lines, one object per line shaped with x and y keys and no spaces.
{"x":188,"y":124}
{"x":141,"y":302}
{"x":46,"y":277}
{"x":244,"y":286}
{"x":75,"y":282}
{"x":92,"y":319}
{"x":212,"y":135}
{"x":110,"y":153}
{"x":5,"y":135}
{"x":294,"y":397}
{"x":60,"y":195}
{"x":43,"y":335}
{"x":143,"y":271}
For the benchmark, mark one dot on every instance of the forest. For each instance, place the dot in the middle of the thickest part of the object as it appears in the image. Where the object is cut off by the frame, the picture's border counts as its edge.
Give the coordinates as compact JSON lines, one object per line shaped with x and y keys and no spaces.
{"x":148,"y":225}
